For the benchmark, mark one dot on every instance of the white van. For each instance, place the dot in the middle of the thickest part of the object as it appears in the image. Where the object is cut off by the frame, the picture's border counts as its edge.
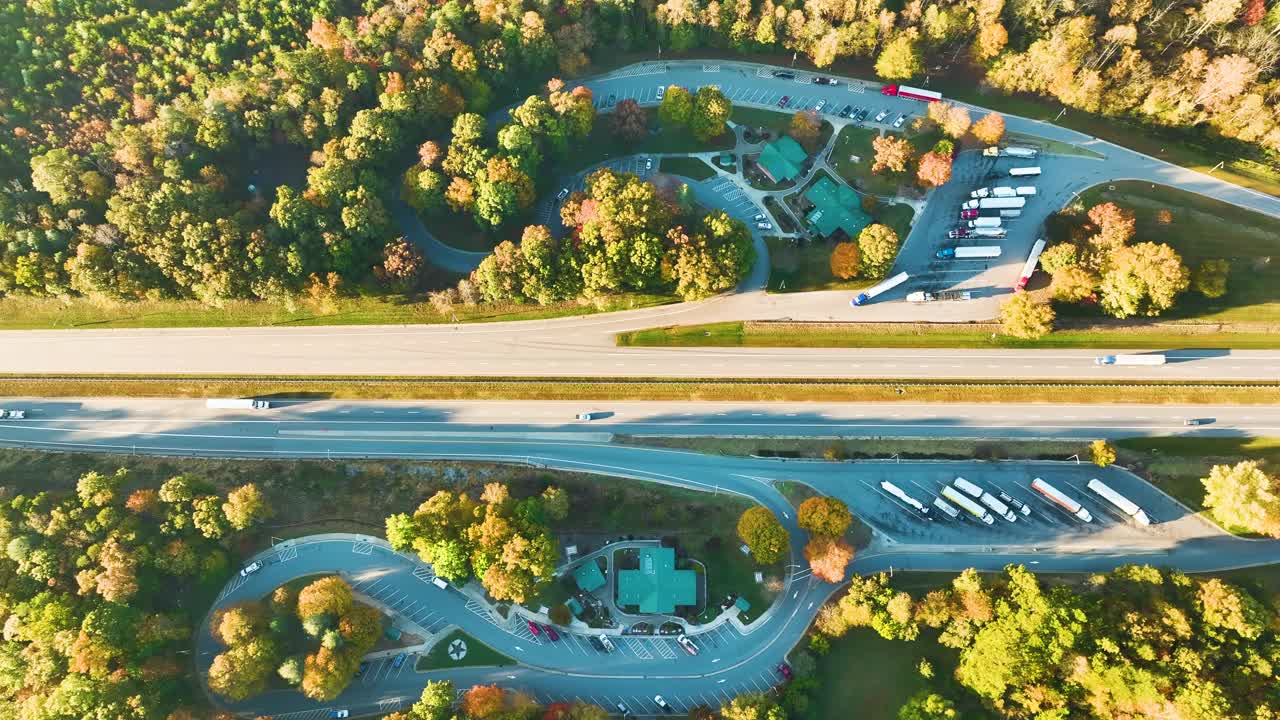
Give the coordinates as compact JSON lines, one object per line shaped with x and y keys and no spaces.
{"x":438,"y":582}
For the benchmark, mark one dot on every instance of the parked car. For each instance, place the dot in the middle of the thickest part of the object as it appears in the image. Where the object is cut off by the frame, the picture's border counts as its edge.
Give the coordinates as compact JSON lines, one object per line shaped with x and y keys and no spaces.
{"x":846,"y":111}
{"x":551,"y":633}
{"x":760,"y":217}
{"x":784,"y":670}
{"x":901,"y":119}
{"x":612,"y":99}
{"x":862,"y":114}
{"x":784,"y":74}
{"x":250,"y":569}
{"x":662,"y":90}
{"x":825,"y":81}
{"x":360,"y":670}
{"x":687,"y":644}
{"x":564,"y":193}
{"x":623,"y":710}
{"x":882,"y":115}
{"x":958,"y":233}
{"x":606,"y":642}
{"x":783,"y":102}
{"x":12,"y":414}
{"x":533,"y":628}
{"x":764,"y":226}
{"x":662,"y":703}
{"x":399,"y":660}
{"x":339,"y":713}
{"x":821,"y":104}
{"x":648,"y":163}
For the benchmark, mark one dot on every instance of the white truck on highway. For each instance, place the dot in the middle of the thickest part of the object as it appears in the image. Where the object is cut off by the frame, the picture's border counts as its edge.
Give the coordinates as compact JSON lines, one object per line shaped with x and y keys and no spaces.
{"x":942,"y":296}
{"x":979,"y":252}
{"x":994,"y":203}
{"x":12,"y":414}
{"x":1130,"y":360}
{"x":236,"y":404}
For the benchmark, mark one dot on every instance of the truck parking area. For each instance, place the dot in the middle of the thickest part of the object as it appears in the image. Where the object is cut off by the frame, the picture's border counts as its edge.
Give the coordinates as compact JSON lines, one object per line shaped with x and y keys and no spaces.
{"x":1042,"y":523}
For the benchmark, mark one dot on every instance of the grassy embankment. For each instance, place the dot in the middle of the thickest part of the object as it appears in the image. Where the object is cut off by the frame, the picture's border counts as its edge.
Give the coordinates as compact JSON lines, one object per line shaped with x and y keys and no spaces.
{"x":690,"y":167}
{"x":747,"y":389}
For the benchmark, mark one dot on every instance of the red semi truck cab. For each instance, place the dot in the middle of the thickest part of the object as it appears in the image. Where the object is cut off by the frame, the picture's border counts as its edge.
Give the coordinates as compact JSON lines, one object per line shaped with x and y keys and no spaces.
{"x":911,"y":92}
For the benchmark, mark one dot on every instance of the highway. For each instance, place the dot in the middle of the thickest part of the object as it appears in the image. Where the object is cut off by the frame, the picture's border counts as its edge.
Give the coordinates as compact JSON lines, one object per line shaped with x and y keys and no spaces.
{"x":565,"y":347}
{"x":733,"y":659}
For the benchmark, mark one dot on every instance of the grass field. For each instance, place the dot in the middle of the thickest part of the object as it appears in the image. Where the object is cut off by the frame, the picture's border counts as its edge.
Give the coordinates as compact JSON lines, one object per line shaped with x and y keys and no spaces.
{"x":459,"y":230}
{"x":745,"y":389}
{"x":478,"y":655}
{"x":854,"y":142}
{"x":689,"y":167}
{"x":802,"y":268}
{"x":778,"y":122}
{"x":944,"y":335}
{"x":21,"y":313}
{"x":602,"y":144}
{"x":1177,"y":464}
{"x":1201,"y":228}
{"x":897,"y":216}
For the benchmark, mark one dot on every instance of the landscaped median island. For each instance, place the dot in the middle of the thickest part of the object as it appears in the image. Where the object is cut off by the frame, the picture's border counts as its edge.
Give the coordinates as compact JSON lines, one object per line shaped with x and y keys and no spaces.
{"x":458,"y":649}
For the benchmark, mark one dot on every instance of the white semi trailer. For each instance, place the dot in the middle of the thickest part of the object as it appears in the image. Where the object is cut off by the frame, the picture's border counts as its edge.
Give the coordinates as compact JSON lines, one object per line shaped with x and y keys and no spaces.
{"x":898,"y":492}
{"x":1061,"y":500}
{"x":1127,"y":506}
{"x":968,"y":505}
{"x":236,"y":404}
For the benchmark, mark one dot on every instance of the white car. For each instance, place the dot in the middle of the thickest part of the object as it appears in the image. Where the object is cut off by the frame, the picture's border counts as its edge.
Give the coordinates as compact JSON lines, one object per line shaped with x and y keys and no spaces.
{"x":339,"y":713}
{"x":687,"y":644}
{"x":821,"y":104}
{"x":882,"y":115}
{"x":760,"y":217}
{"x":251,"y":569}
{"x":764,"y":226}
{"x":564,"y":193}
{"x":648,"y":163}
{"x":12,"y":414}
{"x":586,"y":416}
{"x":663,"y":704}
{"x":901,"y":119}
{"x":662,"y":90}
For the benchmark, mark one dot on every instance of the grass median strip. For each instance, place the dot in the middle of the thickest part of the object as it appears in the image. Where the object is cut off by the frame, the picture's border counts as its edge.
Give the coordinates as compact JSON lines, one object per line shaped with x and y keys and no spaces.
{"x":476,"y":654}
{"x":585,"y":388}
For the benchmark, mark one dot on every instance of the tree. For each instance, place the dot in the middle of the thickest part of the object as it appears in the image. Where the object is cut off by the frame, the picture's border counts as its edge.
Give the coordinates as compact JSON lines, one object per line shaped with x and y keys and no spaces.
{"x":676,"y":108}
{"x":926,"y":705}
{"x":711,"y":110}
{"x":893,"y":153}
{"x":1073,"y":284}
{"x":242,"y":671}
{"x":879,"y":246}
{"x":483,"y":701}
{"x":828,"y":557}
{"x":753,"y":706}
{"x":560,"y":614}
{"x":989,"y":128}
{"x":291,"y":670}
{"x":630,"y":122}
{"x":954,"y":120}
{"x":1244,"y":496}
{"x":1144,"y":279}
{"x":806,"y":129}
{"x":436,"y":702}
{"x":824,"y":515}
{"x":555,"y":503}
{"x":759,"y":528}
{"x":1210,"y":278}
{"x":992,"y":38}
{"x":1116,"y":226}
{"x":901,"y":58}
{"x":401,"y":263}
{"x":934,"y":169}
{"x":1102,"y":453}
{"x":1023,"y":317}
{"x":846,"y":260}
{"x":1057,"y":257}
{"x":246,"y":506}
{"x":329,"y":596}
{"x":57,"y":174}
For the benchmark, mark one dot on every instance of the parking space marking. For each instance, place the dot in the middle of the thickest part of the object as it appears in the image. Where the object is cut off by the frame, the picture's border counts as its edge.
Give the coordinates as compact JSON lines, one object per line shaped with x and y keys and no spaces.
{"x":638,"y":648}
{"x":665,"y":649}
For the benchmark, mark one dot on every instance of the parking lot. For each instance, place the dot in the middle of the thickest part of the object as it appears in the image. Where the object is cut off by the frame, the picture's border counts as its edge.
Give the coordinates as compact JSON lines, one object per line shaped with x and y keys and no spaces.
{"x":547,"y":211}
{"x":1046,"y":522}
{"x":680,"y":702}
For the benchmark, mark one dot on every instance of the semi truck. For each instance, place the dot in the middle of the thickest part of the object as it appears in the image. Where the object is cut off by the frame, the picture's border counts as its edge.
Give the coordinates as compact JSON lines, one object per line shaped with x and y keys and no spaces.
{"x":884,"y":286}
{"x":1130,"y":360}
{"x":988,"y":232}
{"x":946,"y":507}
{"x":1000,"y":191}
{"x":1009,"y":213}
{"x":1015,"y":504}
{"x":1025,"y":190}
{"x":968,"y":505}
{"x":924,"y":297}
{"x":897,"y":492}
{"x":978,"y":252}
{"x":995,"y":203}
{"x":12,"y":414}
{"x":1029,"y":268}
{"x":967,"y":487}
{"x":1056,"y":497}
{"x":1020,"y":151}
{"x":1127,"y":506}
{"x":907,"y":91}
{"x":236,"y":404}
{"x":1024,"y":171}
{"x":985,"y":223}
{"x":1000,"y":508}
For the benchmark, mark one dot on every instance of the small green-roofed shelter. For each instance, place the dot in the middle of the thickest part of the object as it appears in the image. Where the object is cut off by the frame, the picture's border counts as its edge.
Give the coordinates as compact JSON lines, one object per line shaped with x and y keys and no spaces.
{"x":657,"y":587}
{"x":574,"y":606}
{"x":588,"y":576}
{"x":781,"y":159}
{"x":835,"y":207}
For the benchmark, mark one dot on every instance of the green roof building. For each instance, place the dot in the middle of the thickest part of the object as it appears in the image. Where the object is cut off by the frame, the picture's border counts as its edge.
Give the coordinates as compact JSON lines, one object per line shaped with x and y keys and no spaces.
{"x":781,"y":159}
{"x":835,"y":207}
{"x":657,"y":587}
{"x":588,"y":576}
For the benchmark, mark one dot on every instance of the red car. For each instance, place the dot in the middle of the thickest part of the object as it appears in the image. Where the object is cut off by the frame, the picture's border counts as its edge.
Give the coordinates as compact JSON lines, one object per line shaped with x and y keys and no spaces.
{"x":968,"y":214}
{"x":783,"y":102}
{"x":784,"y":670}
{"x":533,"y":627}
{"x":551,"y":633}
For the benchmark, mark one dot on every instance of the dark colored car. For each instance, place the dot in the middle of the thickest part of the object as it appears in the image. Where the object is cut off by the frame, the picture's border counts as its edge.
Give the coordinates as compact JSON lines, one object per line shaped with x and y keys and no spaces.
{"x":533,"y":627}
{"x":783,"y":102}
{"x":863,"y":114}
{"x":551,"y":633}
{"x":784,"y":74}
{"x":847,"y":111}
{"x":399,"y":660}
{"x":784,"y":670}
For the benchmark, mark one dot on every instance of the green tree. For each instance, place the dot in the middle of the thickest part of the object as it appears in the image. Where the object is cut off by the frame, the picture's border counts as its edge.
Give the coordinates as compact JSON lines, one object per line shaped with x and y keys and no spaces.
{"x":879,"y":246}
{"x":329,"y":596}
{"x":246,"y":506}
{"x":1102,"y":453}
{"x":926,"y":705}
{"x":1210,"y":278}
{"x":555,"y":503}
{"x":57,"y":174}
{"x":806,"y":129}
{"x":1023,"y":317}
{"x":753,"y":706}
{"x":824,"y":515}
{"x":901,"y":58}
{"x":768,"y":541}
{"x":711,"y":110}
{"x":1244,"y":496}
{"x":1144,"y":279}
{"x":436,"y":702}
{"x":676,"y":109}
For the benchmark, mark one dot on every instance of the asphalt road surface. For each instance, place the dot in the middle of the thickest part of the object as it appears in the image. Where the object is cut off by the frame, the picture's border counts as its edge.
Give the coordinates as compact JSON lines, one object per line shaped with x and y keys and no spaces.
{"x":731,"y":660}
